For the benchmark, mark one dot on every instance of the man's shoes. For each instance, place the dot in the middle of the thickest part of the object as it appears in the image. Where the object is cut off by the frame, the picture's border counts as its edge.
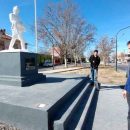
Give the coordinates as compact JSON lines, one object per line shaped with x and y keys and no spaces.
{"x":91,"y":83}
{"x":96,"y":84}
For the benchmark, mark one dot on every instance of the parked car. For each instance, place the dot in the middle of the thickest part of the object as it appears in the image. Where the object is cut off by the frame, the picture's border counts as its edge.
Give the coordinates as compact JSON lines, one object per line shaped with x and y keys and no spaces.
{"x":48,"y":64}
{"x":119,"y":62}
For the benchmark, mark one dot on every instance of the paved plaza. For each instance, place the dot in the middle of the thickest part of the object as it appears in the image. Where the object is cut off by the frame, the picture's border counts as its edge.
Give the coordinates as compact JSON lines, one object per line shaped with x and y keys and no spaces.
{"x":111,"y":110}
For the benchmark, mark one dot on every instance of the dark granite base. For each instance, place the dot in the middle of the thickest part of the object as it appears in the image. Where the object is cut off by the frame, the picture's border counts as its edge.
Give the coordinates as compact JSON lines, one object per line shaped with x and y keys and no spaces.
{"x":19,"y":69}
{"x":21,"y":81}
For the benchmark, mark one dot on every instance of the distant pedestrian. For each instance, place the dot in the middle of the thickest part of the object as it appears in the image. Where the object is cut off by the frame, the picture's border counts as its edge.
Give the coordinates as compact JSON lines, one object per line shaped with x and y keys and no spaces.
{"x":126,"y":91}
{"x":94,"y":63}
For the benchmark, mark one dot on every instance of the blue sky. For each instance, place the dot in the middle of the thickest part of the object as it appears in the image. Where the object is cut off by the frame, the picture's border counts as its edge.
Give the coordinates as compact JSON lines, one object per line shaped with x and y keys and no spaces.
{"x":107,"y":15}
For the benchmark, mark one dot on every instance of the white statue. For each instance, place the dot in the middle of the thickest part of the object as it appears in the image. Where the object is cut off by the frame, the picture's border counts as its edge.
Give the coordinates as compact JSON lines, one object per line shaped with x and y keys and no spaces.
{"x":17,"y":28}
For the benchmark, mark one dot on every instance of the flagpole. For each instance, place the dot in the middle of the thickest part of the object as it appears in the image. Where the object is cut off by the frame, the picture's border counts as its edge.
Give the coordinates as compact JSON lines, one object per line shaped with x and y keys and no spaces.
{"x":36,"y":36}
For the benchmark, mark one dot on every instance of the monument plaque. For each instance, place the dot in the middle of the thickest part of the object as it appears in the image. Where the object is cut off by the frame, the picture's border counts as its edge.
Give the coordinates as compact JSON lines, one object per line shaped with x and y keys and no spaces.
{"x":30,"y":63}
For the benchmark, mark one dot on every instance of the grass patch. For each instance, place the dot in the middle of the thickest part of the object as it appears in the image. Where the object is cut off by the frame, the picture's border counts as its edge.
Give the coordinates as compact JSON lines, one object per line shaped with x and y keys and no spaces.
{"x":106,"y":75}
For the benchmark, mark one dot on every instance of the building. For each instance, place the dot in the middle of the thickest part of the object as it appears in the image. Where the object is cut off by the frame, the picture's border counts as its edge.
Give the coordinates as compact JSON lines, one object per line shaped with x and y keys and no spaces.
{"x":123,"y":57}
{"x":56,"y":55}
{"x":5,"y":41}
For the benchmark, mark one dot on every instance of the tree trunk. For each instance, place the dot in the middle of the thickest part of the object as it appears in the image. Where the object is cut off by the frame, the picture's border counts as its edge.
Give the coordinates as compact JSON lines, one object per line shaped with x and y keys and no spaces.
{"x":81,"y":61}
{"x":65,"y":60}
{"x":75,"y":61}
{"x":104,"y":61}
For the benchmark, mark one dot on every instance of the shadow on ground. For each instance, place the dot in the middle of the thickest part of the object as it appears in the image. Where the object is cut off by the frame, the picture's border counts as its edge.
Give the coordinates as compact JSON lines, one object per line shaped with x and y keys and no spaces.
{"x":102,"y":88}
{"x":88,"y":123}
{"x":58,"y":79}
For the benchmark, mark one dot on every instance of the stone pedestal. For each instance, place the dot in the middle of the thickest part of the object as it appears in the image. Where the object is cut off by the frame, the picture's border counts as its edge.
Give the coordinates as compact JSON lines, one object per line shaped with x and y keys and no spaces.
{"x":19,"y":69}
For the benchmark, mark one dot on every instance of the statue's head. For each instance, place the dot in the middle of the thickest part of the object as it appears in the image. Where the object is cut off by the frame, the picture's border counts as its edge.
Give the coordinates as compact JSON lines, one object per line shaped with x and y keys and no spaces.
{"x":15,"y":10}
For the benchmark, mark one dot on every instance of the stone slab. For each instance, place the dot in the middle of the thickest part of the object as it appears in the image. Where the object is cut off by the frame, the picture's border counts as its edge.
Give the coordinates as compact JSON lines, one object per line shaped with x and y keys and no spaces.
{"x":27,"y":107}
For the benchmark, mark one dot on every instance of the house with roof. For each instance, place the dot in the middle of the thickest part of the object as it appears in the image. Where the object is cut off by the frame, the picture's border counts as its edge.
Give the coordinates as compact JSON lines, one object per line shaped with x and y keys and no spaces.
{"x":5,"y":41}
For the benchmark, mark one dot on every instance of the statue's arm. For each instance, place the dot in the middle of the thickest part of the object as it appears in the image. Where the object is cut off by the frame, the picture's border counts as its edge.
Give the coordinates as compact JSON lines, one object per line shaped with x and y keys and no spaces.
{"x":13,"y":21}
{"x":11,"y":17}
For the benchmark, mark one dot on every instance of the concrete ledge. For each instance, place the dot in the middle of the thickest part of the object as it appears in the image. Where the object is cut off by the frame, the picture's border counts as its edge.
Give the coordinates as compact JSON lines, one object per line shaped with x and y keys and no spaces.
{"x":32,"y":108}
{"x":21,"y":81}
{"x":23,"y":117}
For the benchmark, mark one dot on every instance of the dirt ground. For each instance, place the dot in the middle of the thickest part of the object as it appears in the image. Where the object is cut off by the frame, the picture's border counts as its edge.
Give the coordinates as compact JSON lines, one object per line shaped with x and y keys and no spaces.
{"x":109,"y":75}
{"x":4,"y":126}
{"x":106,"y":75}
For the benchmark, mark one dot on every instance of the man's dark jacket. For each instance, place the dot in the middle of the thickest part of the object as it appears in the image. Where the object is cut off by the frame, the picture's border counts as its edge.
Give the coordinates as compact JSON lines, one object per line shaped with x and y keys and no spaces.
{"x":94,"y":61}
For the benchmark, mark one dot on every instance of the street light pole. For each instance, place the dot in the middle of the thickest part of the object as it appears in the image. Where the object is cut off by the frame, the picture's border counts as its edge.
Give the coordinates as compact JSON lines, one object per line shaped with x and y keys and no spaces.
{"x":35,"y":12}
{"x":116,"y":51}
{"x":117,"y":41}
{"x":53,"y":55}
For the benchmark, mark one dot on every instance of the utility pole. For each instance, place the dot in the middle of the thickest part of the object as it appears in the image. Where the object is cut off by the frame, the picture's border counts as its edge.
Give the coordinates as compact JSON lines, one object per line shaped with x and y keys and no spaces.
{"x":36,"y":35}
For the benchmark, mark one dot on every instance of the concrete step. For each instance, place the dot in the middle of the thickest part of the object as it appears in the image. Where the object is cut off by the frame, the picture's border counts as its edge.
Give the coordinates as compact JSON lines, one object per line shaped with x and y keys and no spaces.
{"x":62,"y":105}
{"x":85,"y":111}
{"x":60,"y":124}
{"x":89,"y":116}
{"x":77,"y":115}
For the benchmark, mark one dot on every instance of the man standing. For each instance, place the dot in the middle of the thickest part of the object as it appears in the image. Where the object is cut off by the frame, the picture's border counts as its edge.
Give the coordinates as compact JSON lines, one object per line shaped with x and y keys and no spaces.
{"x":94,"y":61}
{"x":126,"y":91}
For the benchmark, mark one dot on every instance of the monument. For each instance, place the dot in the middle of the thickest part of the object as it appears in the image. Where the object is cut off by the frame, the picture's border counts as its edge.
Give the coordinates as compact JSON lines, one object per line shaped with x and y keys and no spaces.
{"x":17,"y":28}
{"x":18,"y":66}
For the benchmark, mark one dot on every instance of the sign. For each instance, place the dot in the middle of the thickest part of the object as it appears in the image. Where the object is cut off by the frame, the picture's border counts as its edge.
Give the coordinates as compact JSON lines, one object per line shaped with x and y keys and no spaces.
{"x":30,"y":64}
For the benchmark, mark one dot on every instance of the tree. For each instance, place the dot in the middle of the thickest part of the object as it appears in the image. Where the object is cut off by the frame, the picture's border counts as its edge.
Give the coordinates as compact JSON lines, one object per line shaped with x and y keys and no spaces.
{"x":121,"y":56}
{"x":106,"y":46}
{"x":63,"y":26}
{"x":113,"y":57}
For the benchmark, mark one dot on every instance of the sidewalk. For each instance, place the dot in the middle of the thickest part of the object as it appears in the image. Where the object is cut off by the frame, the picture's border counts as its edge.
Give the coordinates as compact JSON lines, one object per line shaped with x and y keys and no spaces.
{"x":61,"y":70}
{"x":111,"y":110}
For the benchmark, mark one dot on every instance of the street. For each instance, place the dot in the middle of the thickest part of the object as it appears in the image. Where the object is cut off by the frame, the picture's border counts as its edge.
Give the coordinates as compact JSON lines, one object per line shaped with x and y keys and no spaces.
{"x":122,"y":66}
